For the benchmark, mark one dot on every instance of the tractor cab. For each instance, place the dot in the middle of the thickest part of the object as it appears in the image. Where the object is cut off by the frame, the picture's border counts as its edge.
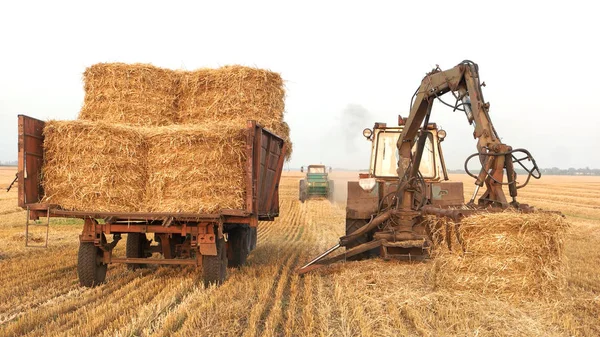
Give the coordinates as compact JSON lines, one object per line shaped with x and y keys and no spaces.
{"x":385,"y":156}
{"x":376,"y":190}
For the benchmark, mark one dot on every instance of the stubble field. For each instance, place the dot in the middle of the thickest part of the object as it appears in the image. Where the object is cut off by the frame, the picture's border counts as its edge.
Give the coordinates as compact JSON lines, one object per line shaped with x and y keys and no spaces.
{"x":40,"y":294}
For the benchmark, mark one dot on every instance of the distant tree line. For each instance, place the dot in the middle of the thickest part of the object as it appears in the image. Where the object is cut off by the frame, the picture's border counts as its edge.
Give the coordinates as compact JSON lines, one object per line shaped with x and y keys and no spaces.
{"x":8,"y":163}
{"x":555,"y":171}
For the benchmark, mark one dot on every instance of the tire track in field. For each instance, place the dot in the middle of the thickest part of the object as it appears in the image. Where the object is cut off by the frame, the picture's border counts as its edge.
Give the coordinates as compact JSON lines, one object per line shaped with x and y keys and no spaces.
{"x":269,"y":314}
{"x":90,"y":319}
{"x":88,"y":296}
{"x":151,"y":316}
{"x":24,"y":265}
{"x":129,"y":303}
{"x":263,"y":262}
{"x":27,"y":291}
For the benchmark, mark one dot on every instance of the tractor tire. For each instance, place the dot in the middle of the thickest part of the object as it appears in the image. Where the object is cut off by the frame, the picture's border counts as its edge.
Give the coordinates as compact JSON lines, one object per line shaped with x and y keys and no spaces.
{"x":330,"y":191}
{"x":351,"y":226}
{"x":302,"y":191}
{"x":253,"y":238}
{"x":90,"y":269}
{"x":238,"y":246}
{"x":214,"y":268}
{"x":136,"y":242}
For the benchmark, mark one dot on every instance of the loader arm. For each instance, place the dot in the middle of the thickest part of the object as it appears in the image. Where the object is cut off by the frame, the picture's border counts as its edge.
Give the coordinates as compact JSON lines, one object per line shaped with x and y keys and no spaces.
{"x":464,"y":83}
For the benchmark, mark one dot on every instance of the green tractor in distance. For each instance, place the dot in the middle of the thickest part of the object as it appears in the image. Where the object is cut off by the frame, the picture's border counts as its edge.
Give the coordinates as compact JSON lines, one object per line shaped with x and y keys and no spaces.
{"x":316,"y":184}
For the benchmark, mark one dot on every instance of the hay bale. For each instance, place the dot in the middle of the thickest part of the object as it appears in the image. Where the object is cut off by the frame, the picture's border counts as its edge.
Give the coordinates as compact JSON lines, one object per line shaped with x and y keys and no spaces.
{"x":235,"y":94}
{"x":138,"y":94}
{"x":196,"y":168}
{"x":93,"y":166}
{"x":505,"y":254}
{"x":231,"y":92}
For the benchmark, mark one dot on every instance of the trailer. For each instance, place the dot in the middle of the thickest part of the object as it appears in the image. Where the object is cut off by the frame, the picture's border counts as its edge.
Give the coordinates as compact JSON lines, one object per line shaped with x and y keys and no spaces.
{"x":209,"y":241}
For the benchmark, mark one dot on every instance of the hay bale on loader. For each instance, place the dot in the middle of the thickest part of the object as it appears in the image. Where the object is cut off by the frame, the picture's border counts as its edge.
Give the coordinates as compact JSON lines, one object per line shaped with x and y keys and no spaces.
{"x":137,"y":94}
{"x":94,"y":166}
{"x":196,"y":168}
{"x":505,"y":254}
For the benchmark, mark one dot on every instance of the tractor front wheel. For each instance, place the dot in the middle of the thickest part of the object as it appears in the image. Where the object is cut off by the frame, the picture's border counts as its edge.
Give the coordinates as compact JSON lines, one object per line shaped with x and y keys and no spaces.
{"x":351,"y":226}
{"x":303,"y":191}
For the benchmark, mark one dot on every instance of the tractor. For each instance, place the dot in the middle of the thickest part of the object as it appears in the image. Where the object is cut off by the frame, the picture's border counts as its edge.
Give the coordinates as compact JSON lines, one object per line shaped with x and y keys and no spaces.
{"x":316,"y":184}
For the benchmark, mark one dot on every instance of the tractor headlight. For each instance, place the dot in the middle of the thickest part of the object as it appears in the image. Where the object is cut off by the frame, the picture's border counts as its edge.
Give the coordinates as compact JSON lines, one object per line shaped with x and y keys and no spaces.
{"x":367,"y":184}
{"x":367,"y":133}
{"x":441,"y":134}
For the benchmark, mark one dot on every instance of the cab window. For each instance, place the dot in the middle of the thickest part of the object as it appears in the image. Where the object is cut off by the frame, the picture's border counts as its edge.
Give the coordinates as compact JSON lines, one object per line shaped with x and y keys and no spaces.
{"x":387,"y":155}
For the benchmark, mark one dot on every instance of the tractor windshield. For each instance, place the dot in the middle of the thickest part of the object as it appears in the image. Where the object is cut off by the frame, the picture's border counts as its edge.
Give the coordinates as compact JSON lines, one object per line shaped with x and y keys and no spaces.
{"x":387,"y":156}
{"x":316,"y":169}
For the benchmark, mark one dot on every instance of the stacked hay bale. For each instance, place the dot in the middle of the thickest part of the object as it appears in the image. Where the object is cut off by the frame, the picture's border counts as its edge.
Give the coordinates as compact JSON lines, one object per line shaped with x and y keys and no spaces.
{"x":196,"y":168}
{"x":94,"y":166}
{"x":233,"y":93}
{"x":137,"y":94}
{"x":505,"y":254}
{"x":152,"y":139}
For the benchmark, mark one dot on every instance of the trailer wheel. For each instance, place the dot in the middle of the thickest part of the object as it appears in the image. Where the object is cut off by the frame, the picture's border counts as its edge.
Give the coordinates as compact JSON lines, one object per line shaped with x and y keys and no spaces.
{"x":238,"y":246}
{"x":136,"y":242}
{"x":253,"y":238}
{"x":90,"y":269}
{"x":351,"y":226}
{"x":214,"y":268}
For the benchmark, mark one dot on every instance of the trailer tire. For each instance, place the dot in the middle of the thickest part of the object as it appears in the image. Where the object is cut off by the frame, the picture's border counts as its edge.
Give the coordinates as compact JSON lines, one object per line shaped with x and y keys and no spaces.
{"x":253,"y":238}
{"x":90,"y":269}
{"x":238,"y":246}
{"x":136,"y":242}
{"x":214,"y":268}
{"x":351,"y":226}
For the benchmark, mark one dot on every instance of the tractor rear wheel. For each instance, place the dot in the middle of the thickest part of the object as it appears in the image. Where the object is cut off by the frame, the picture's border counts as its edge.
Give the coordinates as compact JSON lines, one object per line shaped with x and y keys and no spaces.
{"x":214,"y":268}
{"x":238,"y":246}
{"x":351,"y":226}
{"x":303,"y":192}
{"x":330,"y":191}
{"x":136,"y":244}
{"x":90,"y":269}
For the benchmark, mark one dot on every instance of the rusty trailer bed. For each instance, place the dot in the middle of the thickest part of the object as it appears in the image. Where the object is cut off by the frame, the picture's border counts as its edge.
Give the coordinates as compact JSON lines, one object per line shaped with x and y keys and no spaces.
{"x":209,"y":240}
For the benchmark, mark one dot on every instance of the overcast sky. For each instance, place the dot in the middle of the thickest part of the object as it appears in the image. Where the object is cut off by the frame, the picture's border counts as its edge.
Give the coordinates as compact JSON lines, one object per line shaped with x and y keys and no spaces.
{"x":540,"y":63}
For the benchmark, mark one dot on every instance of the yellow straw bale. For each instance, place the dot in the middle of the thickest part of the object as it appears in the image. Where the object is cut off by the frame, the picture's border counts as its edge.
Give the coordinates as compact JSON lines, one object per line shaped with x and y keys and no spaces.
{"x":92,"y":166}
{"x":505,"y":254}
{"x":196,"y":168}
{"x":235,"y":94}
{"x":231,"y":92}
{"x":138,"y":94}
